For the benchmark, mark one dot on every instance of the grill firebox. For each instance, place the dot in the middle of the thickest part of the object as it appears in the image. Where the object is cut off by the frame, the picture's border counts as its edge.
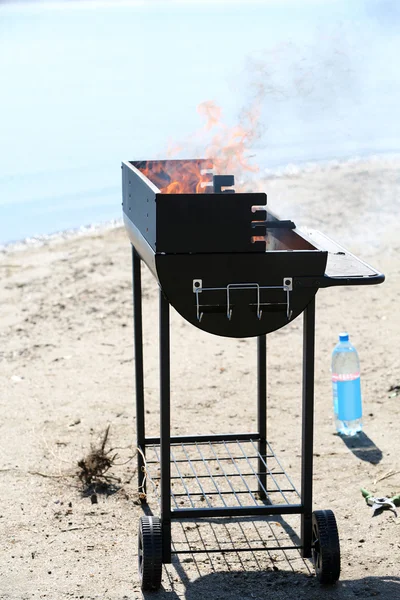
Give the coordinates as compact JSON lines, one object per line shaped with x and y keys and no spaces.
{"x":206,"y":252}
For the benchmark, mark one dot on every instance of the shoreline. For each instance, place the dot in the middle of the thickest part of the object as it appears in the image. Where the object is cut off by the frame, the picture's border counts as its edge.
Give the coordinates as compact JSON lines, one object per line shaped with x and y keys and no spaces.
{"x":305,"y":167}
{"x":45,"y":239}
{"x":275,"y":176}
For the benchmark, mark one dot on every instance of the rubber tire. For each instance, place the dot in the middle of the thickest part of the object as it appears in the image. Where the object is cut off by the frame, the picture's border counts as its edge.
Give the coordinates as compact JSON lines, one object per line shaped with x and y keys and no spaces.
{"x":150,"y":553}
{"x":325,"y":546}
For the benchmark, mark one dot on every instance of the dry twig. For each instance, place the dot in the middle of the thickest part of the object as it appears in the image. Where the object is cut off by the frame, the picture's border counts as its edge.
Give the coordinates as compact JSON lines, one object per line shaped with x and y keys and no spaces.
{"x":49,"y":475}
{"x":95,"y":465}
{"x":386,"y":476}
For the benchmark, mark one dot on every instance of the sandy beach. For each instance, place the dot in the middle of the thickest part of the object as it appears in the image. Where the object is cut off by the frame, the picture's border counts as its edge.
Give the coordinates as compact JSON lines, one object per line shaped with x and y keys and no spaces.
{"x":66,"y":352}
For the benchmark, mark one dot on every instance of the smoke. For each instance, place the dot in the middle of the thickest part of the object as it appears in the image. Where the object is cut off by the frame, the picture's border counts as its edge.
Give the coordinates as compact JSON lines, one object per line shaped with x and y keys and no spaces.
{"x":316,"y":97}
{"x":310,"y":81}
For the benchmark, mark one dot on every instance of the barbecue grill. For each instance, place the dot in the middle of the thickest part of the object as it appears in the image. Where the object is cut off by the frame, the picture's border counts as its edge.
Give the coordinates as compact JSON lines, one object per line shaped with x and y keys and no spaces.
{"x":232,"y":268}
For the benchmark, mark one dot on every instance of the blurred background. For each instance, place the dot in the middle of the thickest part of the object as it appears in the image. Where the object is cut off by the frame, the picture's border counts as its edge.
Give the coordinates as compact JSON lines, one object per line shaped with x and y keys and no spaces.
{"x":85,"y":85}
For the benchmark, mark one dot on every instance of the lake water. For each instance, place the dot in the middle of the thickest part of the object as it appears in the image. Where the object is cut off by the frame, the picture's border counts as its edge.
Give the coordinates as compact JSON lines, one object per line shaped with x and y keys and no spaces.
{"x":87,"y":85}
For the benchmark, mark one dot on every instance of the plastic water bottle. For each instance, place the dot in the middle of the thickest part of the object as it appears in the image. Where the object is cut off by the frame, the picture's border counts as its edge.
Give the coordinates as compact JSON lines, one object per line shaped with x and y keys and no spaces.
{"x":347,"y":406}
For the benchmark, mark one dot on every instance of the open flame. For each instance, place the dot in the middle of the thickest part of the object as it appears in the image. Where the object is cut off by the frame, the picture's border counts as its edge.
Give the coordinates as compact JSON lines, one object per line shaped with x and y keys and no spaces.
{"x":228,"y":147}
{"x":178,"y":176}
{"x":226,"y":153}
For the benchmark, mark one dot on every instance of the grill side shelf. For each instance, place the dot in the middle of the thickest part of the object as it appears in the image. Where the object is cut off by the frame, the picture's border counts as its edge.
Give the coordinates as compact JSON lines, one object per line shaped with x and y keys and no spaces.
{"x":342,"y":267}
{"x":326,"y":281}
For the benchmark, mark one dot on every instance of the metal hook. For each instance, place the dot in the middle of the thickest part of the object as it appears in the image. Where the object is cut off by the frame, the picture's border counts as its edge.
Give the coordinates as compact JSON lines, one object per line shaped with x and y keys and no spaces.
{"x":288,"y":286}
{"x":197,"y":288}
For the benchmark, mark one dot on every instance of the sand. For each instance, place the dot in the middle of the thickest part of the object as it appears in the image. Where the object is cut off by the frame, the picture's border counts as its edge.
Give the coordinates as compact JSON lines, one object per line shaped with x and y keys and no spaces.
{"x":66,"y":356}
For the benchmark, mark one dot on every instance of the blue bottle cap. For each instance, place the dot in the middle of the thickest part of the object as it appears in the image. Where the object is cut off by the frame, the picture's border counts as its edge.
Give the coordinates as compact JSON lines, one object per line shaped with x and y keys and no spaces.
{"x":343,"y":337}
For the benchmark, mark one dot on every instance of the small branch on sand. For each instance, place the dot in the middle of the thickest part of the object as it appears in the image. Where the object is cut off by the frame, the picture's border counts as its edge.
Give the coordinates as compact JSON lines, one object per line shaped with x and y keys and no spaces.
{"x":39,"y":473}
{"x":386,"y":476}
{"x":49,"y":475}
{"x":77,"y":528}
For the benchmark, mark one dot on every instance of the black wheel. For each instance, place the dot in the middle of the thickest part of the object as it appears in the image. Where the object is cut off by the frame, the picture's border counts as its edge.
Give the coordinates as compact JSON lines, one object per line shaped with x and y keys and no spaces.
{"x":150,"y":553}
{"x":325,"y":546}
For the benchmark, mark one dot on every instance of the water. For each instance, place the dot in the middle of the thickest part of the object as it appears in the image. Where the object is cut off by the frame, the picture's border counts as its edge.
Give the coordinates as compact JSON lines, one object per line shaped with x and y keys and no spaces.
{"x":346,"y":387}
{"x":86,"y":85}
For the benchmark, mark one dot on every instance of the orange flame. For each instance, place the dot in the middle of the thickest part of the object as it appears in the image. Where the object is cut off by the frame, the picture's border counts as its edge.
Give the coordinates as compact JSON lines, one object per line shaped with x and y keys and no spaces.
{"x":225,"y":154}
{"x":178,"y":176}
{"x":211,"y":111}
{"x":229,"y":144}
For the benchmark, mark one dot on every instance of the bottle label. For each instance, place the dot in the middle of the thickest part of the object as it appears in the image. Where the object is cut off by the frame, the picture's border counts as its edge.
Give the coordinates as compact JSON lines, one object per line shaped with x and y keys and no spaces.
{"x":345,"y":376}
{"x":348,"y":398}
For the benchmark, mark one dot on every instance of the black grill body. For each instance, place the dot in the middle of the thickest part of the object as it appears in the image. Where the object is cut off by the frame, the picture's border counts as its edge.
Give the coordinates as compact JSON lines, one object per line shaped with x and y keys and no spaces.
{"x":205,"y":252}
{"x":230,"y":267}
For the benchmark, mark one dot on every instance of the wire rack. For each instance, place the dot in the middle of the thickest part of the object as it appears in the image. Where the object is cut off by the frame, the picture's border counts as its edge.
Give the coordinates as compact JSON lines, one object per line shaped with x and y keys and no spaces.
{"x":222,"y":474}
{"x":252,"y":536}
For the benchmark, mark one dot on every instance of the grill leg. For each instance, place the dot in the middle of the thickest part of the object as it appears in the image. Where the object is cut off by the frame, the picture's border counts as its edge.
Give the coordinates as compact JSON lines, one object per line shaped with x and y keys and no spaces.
{"x":307,"y":427}
{"x":262,"y":410}
{"x":165,"y":429}
{"x":138,"y":343}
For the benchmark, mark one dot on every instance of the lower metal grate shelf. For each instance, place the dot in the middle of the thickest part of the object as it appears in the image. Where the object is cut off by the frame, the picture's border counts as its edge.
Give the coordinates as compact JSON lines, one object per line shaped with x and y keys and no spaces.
{"x":222,"y":474}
